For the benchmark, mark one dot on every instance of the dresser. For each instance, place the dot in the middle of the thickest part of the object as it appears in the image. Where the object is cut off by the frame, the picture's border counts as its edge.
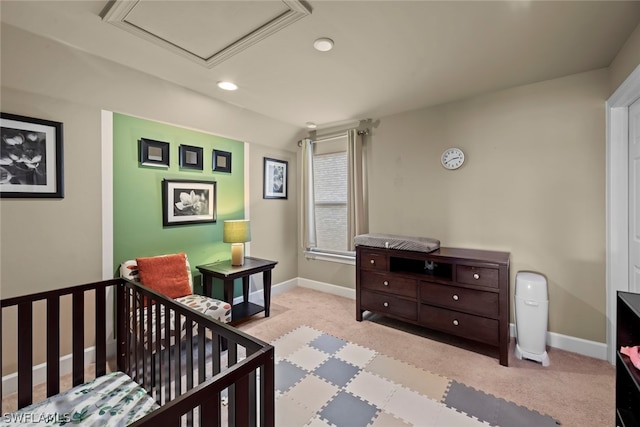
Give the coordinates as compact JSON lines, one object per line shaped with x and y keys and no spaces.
{"x":627,"y":375}
{"x":461,"y":292}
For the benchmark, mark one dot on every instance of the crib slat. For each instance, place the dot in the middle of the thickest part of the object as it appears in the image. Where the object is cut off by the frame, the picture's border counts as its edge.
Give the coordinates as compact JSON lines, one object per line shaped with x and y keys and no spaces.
{"x":267,"y":393}
{"x":101,"y":332}
{"x":78,"y":337}
{"x":53,"y":345}
{"x":25,"y":354}
{"x":240,"y":408}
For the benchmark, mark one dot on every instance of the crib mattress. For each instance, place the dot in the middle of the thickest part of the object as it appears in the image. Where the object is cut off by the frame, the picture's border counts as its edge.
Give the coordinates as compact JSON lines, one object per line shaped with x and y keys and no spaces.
{"x":110,"y":400}
{"x":392,"y":241}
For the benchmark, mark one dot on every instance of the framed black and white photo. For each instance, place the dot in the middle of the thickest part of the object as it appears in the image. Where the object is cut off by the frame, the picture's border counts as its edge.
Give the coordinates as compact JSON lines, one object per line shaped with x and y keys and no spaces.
{"x":31,"y":162}
{"x":190,"y":157}
{"x":188,"y":202}
{"x":275,"y":179}
{"x":221,"y":161}
{"x":154,"y":153}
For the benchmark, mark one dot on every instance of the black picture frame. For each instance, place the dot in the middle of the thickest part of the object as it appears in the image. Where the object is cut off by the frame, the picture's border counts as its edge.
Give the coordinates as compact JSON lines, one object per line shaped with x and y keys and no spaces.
{"x":186,"y":201}
{"x":154,"y":153}
{"x":31,"y":157}
{"x":221,"y":161}
{"x":190,"y":157}
{"x":275,"y":178}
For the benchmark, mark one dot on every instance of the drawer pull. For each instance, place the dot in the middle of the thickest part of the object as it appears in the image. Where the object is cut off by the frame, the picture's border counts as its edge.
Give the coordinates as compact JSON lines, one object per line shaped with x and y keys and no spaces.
{"x":476,"y":276}
{"x":455,"y":322}
{"x":373,"y":261}
{"x":386,"y":304}
{"x":456,"y":297}
{"x":386,"y":283}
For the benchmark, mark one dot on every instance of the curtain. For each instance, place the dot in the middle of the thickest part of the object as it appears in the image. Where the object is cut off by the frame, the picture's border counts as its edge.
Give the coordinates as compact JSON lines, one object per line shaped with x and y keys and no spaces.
{"x":308,"y":209}
{"x":357,"y":191}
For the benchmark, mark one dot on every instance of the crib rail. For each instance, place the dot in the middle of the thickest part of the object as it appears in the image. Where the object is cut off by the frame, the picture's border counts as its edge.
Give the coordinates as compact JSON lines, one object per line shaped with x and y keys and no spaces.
{"x":171,"y":350}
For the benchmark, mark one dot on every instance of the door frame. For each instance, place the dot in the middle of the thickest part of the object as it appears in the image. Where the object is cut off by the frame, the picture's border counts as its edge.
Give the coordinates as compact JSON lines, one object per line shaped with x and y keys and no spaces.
{"x":617,"y":194}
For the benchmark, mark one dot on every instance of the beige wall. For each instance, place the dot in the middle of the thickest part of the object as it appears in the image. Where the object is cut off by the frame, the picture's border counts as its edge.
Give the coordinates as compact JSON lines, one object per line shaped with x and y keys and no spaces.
{"x":626,"y":60}
{"x":533,"y":184}
{"x":48,"y":244}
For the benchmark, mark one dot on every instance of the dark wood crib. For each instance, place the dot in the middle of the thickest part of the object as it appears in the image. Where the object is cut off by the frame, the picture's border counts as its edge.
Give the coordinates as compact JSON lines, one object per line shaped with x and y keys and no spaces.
{"x":198,"y":370}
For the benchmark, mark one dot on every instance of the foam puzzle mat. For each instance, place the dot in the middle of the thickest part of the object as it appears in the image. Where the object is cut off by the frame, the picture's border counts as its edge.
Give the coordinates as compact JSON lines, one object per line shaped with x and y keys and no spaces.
{"x":322,"y":380}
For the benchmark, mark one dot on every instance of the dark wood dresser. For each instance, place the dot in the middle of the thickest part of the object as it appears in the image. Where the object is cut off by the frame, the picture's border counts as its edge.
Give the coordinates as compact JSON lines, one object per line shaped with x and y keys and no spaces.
{"x":462,"y":292}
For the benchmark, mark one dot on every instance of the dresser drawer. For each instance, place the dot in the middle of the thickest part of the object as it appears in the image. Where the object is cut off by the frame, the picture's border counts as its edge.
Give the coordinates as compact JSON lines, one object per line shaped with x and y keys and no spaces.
{"x":386,"y":304}
{"x":463,"y":325}
{"x":461,"y":299}
{"x":477,"y":276}
{"x":390,"y":283}
{"x":374,"y":261}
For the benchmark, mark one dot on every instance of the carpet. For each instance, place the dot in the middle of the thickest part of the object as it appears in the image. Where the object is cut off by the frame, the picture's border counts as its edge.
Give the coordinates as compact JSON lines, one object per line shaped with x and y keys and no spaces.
{"x":322,"y":380}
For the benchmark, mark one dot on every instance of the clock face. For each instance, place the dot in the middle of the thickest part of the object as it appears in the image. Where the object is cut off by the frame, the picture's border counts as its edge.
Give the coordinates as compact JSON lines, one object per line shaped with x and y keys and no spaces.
{"x":452,"y":158}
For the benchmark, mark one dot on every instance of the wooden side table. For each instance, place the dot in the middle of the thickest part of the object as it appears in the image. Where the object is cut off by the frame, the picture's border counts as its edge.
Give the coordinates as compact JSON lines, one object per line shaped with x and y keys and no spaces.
{"x":228,"y":273}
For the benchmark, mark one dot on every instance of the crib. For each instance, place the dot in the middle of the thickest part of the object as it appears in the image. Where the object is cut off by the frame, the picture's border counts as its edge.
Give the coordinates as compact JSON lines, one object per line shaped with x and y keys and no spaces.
{"x":186,"y":369}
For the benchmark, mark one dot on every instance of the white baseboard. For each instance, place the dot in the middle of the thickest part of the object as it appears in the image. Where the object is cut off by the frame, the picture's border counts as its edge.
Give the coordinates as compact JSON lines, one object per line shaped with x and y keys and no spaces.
{"x":588,"y":348}
{"x":10,"y":382}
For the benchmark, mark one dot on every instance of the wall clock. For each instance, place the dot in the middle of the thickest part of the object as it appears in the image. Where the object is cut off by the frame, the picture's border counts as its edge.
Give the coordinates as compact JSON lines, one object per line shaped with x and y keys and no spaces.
{"x":452,"y":158}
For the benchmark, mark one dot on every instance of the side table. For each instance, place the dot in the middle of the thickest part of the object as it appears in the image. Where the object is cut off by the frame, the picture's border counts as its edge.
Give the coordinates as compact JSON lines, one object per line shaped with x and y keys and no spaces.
{"x":228,"y":273}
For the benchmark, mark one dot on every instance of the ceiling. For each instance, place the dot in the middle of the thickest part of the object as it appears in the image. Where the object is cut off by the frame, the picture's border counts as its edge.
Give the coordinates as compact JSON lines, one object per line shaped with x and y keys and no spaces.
{"x":389,"y":56}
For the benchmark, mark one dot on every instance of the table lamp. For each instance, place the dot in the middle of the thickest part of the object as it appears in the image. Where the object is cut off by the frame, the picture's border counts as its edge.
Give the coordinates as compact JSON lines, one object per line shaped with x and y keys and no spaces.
{"x":237,"y":232}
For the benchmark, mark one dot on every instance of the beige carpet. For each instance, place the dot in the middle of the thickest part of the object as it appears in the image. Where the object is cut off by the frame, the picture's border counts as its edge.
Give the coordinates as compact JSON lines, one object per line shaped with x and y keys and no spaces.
{"x":575,"y":389}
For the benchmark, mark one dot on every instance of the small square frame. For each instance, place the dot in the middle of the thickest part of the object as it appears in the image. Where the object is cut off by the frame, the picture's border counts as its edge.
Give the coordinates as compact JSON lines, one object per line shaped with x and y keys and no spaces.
{"x":190,"y":157}
{"x":31,"y":157}
{"x":188,"y":202}
{"x":154,"y":153}
{"x":275,"y":178}
{"x":221,"y":161}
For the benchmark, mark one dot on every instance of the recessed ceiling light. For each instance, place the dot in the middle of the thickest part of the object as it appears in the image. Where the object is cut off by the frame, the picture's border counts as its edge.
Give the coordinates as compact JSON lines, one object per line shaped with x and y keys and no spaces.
{"x":227,"y":86}
{"x":323,"y":44}
{"x":311,"y":125}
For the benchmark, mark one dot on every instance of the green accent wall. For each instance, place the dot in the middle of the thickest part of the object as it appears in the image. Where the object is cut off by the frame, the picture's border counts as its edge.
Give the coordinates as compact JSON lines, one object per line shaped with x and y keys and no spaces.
{"x":137,"y":195}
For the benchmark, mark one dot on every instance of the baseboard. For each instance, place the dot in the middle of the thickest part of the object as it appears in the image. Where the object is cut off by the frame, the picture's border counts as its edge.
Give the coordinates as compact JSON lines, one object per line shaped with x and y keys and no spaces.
{"x":562,"y":342}
{"x":10,"y":382}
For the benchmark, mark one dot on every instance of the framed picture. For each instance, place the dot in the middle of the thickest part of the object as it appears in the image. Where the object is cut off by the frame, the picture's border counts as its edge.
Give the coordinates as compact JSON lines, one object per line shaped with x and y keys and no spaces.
{"x":275,"y":178}
{"x":154,"y":153}
{"x":190,"y":157}
{"x":31,"y":163}
{"x":188,"y":202}
{"x":221,"y":161}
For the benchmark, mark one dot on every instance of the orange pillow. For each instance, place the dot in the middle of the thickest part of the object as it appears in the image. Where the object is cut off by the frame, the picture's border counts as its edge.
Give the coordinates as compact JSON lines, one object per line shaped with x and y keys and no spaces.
{"x":166,"y":274}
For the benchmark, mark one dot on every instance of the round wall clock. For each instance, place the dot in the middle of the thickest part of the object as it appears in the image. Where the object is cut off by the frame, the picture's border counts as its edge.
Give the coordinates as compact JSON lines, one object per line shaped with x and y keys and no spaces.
{"x":452,"y":158}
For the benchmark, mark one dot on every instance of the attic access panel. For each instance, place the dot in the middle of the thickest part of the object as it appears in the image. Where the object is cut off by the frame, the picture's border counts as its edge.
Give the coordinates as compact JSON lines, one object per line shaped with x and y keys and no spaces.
{"x":207,"y":32}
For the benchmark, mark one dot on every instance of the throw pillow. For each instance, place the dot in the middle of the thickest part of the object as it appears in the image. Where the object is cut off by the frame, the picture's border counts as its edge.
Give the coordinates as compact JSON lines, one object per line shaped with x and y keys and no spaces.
{"x":166,"y":274}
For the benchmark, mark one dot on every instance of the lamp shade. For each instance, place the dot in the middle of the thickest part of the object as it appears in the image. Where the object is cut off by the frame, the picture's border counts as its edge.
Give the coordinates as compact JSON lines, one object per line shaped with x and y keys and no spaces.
{"x":236,"y":231}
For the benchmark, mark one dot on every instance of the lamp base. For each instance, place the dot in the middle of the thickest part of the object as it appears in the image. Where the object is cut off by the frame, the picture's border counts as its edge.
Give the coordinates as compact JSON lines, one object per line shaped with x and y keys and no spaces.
{"x":237,"y":254}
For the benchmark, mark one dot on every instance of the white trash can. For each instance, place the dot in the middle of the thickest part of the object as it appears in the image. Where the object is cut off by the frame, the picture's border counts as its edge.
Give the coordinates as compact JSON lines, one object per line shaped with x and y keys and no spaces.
{"x":531,"y":315}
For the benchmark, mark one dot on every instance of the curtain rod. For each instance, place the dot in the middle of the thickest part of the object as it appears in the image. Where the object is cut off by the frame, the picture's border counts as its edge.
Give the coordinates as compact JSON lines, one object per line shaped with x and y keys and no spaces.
{"x":362,"y":130}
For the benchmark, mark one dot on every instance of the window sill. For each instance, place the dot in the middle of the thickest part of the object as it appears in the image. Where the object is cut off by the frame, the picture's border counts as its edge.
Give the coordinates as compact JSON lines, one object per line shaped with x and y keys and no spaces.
{"x":328,"y":256}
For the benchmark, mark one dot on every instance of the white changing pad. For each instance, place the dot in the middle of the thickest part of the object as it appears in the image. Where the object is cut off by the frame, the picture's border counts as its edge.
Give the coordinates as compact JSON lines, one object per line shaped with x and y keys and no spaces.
{"x":392,"y":241}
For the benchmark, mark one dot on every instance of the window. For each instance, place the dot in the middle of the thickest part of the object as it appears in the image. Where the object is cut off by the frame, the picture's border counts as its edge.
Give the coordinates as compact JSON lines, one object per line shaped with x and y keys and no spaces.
{"x":334,"y":188}
{"x":330,"y":200}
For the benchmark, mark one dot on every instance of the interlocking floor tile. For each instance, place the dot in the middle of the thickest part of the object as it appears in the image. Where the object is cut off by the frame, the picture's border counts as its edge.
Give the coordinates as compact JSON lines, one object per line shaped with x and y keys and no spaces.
{"x":327,"y":343}
{"x":346,"y":410}
{"x":371,"y":388}
{"x":413,"y":407}
{"x":287,"y":375}
{"x":290,"y":413}
{"x":308,"y":358}
{"x":431,"y":385}
{"x":336,"y":371}
{"x":355,"y":354}
{"x":387,"y":420}
{"x":313,"y":392}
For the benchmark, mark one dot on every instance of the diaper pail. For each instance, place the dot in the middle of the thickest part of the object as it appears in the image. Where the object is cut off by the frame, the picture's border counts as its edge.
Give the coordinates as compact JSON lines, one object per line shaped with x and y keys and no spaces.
{"x":531,"y":313}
